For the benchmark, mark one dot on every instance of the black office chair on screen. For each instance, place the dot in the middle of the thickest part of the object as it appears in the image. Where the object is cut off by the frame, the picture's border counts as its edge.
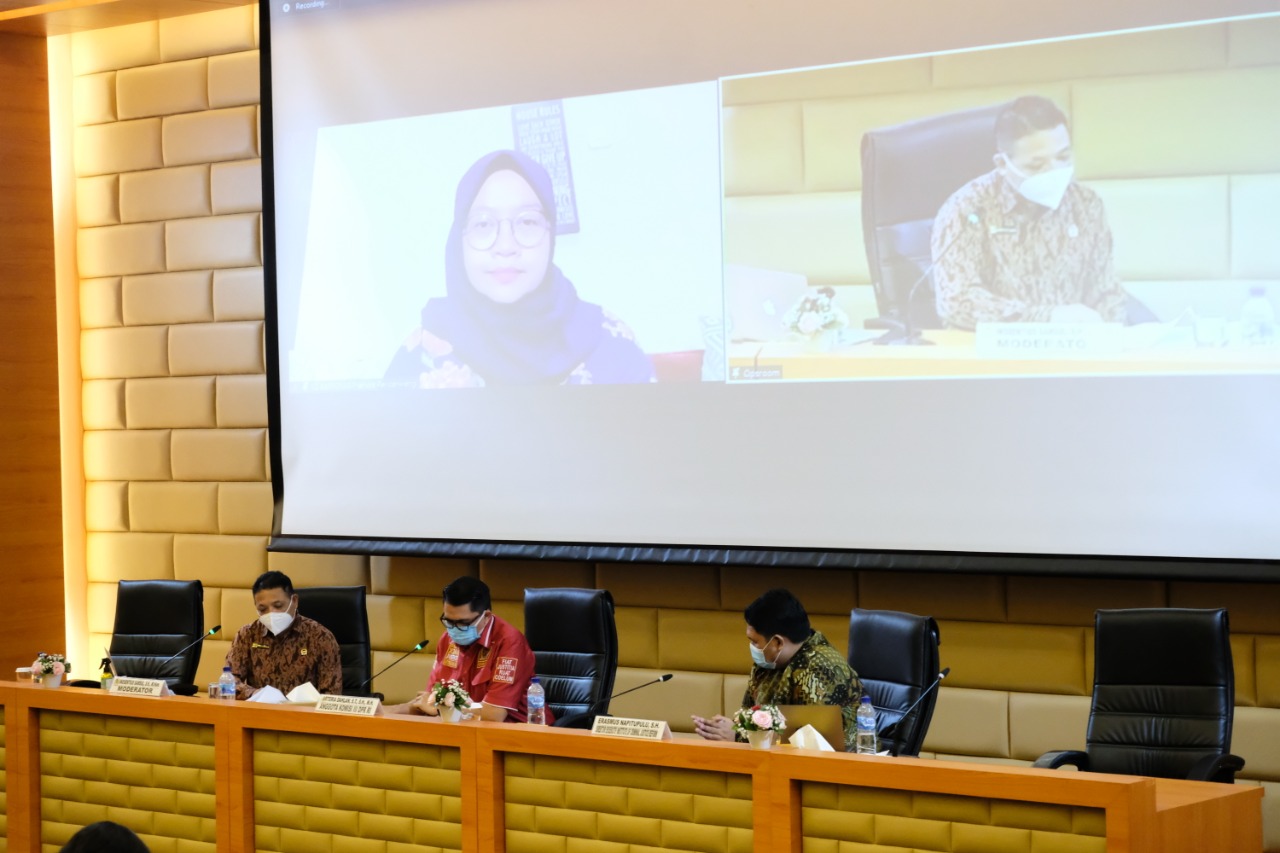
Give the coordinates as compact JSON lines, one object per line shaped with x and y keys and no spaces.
{"x":341,"y":609}
{"x":155,"y":621}
{"x":1163,"y":697}
{"x":575,"y":642}
{"x":896,"y":658}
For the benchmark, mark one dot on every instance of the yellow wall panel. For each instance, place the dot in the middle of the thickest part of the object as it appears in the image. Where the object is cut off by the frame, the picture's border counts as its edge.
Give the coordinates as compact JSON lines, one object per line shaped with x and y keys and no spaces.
{"x":218,"y":348}
{"x":98,"y":201}
{"x":124,"y":146}
{"x":174,"y":507}
{"x":158,"y":90}
{"x":227,"y":561}
{"x":116,"y":47}
{"x":102,"y":404}
{"x":211,"y":136}
{"x":126,"y":455}
{"x":165,"y":193}
{"x":106,"y":507}
{"x":244,"y":508}
{"x":121,"y":250}
{"x":237,"y":186}
{"x":210,"y":34}
{"x":180,"y":402}
{"x":652,"y":585}
{"x":94,"y":98}
{"x":100,"y":302}
{"x":241,"y":401}
{"x":237,"y":294}
{"x":213,"y":241}
{"x":763,"y":149}
{"x":233,"y":79}
{"x":124,"y":352}
{"x":181,"y":297}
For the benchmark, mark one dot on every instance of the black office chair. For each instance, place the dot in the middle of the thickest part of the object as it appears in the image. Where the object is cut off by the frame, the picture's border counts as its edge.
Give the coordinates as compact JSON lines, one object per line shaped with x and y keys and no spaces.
{"x":896,"y":658}
{"x":1163,"y":697}
{"x":575,"y":642}
{"x":908,"y":171}
{"x":155,"y":621}
{"x":341,"y":609}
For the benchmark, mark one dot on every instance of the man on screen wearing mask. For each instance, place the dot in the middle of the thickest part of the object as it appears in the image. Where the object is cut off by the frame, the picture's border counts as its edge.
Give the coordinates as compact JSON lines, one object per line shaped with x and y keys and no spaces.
{"x":792,"y":665}
{"x":1026,"y":242}
{"x":282,"y":648}
{"x":488,"y":655}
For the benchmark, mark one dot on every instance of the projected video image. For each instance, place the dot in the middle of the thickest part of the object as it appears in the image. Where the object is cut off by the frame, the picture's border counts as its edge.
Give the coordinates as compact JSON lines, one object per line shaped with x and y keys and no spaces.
{"x":568,"y":242}
{"x":1117,"y":216}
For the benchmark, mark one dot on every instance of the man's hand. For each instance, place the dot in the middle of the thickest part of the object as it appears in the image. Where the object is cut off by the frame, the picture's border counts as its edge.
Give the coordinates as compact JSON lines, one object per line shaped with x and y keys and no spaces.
{"x":1075,"y":313}
{"x":718,"y":727}
{"x":424,"y":703}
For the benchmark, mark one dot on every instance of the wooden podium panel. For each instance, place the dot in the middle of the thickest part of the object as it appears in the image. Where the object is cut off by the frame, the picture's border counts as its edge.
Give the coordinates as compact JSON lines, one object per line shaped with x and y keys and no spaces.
{"x":287,"y":776}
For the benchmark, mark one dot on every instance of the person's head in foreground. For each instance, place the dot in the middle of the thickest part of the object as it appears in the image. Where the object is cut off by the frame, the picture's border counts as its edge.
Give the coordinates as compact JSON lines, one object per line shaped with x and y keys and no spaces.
{"x":105,"y":837}
{"x":275,"y":600}
{"x":1033,"y":150}
{"x":777,"y":625}
{"x":465,"y":609}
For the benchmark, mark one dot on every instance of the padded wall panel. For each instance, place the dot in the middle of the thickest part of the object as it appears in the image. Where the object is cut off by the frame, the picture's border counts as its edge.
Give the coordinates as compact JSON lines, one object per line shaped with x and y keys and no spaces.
{"x":1169,"y":228}
{"x":425,"y":578}
{"x":702,"y":641}
{"x":106,"y":507}
{"x":1191,"y":108}
{"x":237,"y":186}
{"x":233,"y":79}
{"x":637,"y":636}
{"x":1072,"y":601}
{"x":238,"y":294}
{"x":1253,"y":739}
{"x":1255,"y":42}
{"x":165,"y":193}
{"x":211,"y":136}
{"x":398,"y":622}
{"x":323,"y":569}
{"x":219,"y":454}
{"x":101,"y":605}
{"x":507,"y":579}
{"x":942,"y":596}
{"x":655,"y":585}
{"x":185,"y":402}
{"x":1187,"y":49}
{"x":1255,"y":210}
{"x":124,"y":146}
{"x":212,"y":33}
{"x":102,"y":404}
{"x":244,"y":508}
{"x":851,"y":80}
{"x":100,"y":303}
{"x":763,"y":149}
{"x":126,"y":455}
{"x":970,"y":722}
{"x":1021,"y":657}
{"x":111,"y":557}
{"x":241,"y":401}
{"x":98,"y":201}
{"x":407,"y":679}
{"x":93,"y":98}
{"x":159,"y":90}
{"x":1252,"y":606}
{"x":1242,"y":654}
{"x":174,"y":507}
{"x":1267,"y":660}
{"x":225,"y":561}
{"x":152,"y":300}
{"x":216,"y":241}
{"x":121,"y":250}
{"x":218,"y":348}
{"x":820,"y":590}
{"x":1040,"y":723}
{"x":687,"y":693}
{"x":818,"y":235}
{"x":116,"y":47}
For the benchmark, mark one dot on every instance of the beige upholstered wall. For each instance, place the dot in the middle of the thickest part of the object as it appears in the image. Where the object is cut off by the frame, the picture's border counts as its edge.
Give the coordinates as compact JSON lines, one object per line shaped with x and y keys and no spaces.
{"x":177,"y":485}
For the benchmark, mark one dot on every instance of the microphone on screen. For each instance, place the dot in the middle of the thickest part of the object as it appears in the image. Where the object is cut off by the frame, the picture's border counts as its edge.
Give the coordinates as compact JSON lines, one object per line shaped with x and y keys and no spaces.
{"x":902,"y":331}
{"x":897,"y":724}
{"x":422,"y":645}
{"x":215,"y":629}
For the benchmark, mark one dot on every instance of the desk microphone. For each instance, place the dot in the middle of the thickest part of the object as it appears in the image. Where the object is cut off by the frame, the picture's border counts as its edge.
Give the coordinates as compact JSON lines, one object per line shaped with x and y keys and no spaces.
{"x":896,"y":724}
{"x":599,"y":702}
{"x":422,"y":645}
{"x":903,"y":332}
{"x":215,"y":629}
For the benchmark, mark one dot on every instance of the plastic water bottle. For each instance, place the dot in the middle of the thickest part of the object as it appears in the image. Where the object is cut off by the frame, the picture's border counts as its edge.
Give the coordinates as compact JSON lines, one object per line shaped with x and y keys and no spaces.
{"x":536,"y":702}
{"x":1258,"y":319}
{"x":864,"y":742}
{"x":227,"y":685}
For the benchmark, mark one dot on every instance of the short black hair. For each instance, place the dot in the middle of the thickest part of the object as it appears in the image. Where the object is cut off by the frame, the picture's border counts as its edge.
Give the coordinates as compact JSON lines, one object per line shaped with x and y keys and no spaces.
{"x":106,"y":836}
{"x":470,"y":591}
{"x":778,"y":612}
{"x":1025,"y":116}
{"x":273,"y":580}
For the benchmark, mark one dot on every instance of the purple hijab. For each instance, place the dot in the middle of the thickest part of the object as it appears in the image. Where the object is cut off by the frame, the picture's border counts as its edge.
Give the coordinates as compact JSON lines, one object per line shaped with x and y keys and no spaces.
{"x":540,"y":338}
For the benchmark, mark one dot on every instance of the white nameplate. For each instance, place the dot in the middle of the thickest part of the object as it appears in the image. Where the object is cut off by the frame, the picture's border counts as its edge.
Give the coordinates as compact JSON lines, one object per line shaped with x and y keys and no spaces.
{"x":628,"y":727}
{"x":140,"y":686}
{"x":359,"y":706}
{"x":1047,"y":340}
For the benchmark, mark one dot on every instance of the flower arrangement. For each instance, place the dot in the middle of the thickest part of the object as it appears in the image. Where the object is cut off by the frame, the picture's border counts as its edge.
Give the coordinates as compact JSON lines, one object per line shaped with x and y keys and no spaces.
{"x":759,"y":718}
{"x":815,"y":313}
{"x":50,"y":664}
{"x":451,"y":694}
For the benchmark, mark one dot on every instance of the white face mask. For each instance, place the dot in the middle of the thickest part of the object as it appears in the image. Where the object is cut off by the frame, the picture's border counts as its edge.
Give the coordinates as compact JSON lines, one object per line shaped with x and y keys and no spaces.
{"x":1046,"y":188}
{"x":276,"y":622}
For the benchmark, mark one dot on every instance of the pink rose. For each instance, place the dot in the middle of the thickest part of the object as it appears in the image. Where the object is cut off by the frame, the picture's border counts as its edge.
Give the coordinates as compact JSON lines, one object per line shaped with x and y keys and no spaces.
{"x":450,"y":700}
{"x":58,"y":668}
{"x":809,"y":323}
{"x":762,"y":718}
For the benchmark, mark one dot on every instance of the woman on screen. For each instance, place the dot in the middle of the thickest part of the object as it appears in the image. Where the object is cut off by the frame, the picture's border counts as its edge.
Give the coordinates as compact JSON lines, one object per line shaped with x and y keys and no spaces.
{"x":509,"y":315}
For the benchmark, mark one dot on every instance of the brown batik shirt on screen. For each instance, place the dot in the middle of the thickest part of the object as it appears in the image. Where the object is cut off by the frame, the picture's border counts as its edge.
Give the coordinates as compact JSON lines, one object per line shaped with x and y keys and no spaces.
{"x":305,"y":651}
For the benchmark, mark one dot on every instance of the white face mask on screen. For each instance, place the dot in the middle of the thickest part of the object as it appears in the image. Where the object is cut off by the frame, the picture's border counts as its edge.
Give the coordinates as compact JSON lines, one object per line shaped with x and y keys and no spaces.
{"x":1046,"y":188}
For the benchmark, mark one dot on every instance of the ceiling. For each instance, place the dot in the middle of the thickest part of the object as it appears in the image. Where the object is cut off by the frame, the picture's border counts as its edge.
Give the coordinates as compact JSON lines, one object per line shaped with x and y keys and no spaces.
{"x":59,"y":17}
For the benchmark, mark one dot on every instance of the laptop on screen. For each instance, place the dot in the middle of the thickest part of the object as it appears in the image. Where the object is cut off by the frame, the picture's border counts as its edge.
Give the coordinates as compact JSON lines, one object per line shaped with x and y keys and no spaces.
{"x":758,"y":299}
{"x":825,"y":718}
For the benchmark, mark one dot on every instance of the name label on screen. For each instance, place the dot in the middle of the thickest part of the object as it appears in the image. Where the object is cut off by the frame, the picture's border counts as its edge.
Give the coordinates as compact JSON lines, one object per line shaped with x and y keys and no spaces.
{"x":140,"y":686}
{"x":629,"y":727}
{"x":356,"y":706}
{"x":1047,"y":340}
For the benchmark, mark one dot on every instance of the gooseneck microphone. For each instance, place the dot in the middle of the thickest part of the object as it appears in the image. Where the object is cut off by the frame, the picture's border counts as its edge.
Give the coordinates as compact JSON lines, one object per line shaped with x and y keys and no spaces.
{"x":422,"y":645}
{"x":897,"y":724}
{"x":207,"y":634}
{"x":903,"y":332}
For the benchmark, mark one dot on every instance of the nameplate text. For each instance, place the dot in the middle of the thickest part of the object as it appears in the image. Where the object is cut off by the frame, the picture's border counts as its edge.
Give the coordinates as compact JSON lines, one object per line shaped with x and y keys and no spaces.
{"x":628,"y":727}
{"x":1047,"y":340}
{"x":356,"y":706}
{"x":140,"y":686}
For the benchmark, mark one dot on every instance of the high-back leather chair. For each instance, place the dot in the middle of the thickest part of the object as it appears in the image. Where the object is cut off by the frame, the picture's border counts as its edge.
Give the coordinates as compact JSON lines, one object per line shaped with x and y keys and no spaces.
{"x":1163,"y":697}
{"x":341,"y":609}
{"x":156,"y":619}
{"x":896,"y":658}
{"x":908,"y":171}
{"x":575,"y":642}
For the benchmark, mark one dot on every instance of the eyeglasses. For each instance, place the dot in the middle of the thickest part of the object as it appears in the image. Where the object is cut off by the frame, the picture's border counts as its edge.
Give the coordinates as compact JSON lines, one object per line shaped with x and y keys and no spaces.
{"x":528,"y":229}
{"x":461,"y":623}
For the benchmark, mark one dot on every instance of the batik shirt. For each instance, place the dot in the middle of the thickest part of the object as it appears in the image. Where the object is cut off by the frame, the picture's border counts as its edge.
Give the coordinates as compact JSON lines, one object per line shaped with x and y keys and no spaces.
{"x":817,"y":674}
{"x":305,"y":651}
{"x":495,"y":669}
{"x":999,"y":257}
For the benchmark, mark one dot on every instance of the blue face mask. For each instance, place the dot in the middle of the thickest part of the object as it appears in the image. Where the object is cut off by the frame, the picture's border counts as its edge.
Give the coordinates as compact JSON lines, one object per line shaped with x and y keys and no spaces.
{"x":465,"y":636}
{"x":757,"y":657}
